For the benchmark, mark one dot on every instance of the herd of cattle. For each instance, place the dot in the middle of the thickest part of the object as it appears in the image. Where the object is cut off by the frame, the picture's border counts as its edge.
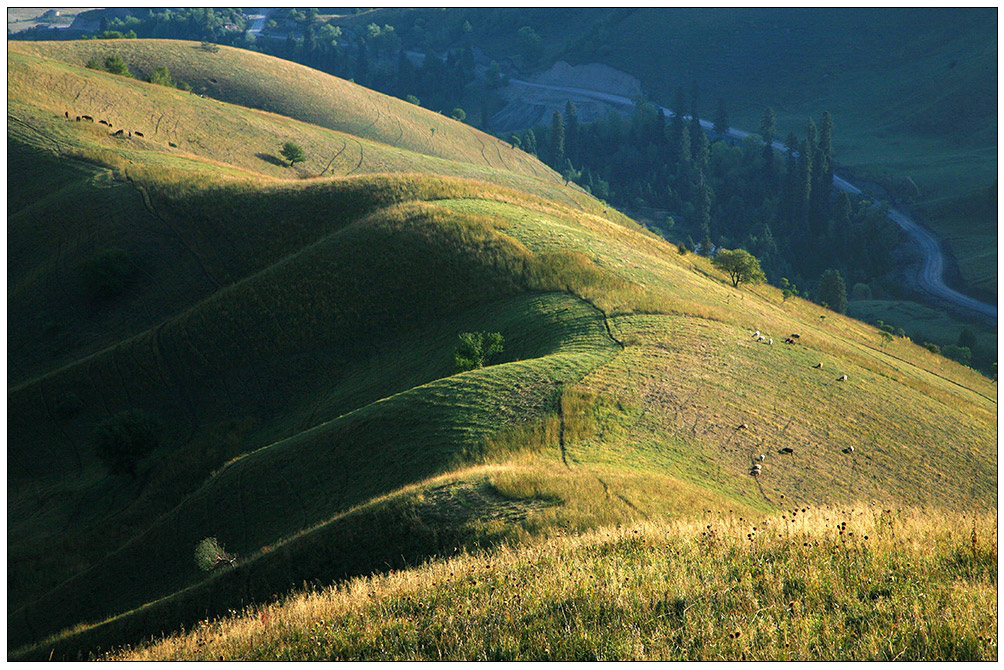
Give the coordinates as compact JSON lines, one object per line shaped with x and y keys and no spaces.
{"x":120,"y":132}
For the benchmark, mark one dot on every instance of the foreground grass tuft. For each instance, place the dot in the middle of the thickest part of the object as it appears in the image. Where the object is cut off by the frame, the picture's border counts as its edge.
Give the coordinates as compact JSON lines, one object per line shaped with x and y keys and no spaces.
{"x":820,"y":584}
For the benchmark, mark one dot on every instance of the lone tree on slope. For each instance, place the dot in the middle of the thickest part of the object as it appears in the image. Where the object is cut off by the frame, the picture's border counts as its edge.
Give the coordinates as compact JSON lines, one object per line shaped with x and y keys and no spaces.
{"x":293,"y":153}
{"x":740,"y":265}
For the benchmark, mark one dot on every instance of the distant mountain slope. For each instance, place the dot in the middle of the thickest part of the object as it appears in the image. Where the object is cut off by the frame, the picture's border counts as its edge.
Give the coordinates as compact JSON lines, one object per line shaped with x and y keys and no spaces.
{"x":296,"y":339}
{"x":913,"y":93}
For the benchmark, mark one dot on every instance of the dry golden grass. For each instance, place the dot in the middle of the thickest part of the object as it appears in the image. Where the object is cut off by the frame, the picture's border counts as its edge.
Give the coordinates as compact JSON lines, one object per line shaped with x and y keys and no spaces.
{"x":853,"y":583}
{"x":256,"y":81}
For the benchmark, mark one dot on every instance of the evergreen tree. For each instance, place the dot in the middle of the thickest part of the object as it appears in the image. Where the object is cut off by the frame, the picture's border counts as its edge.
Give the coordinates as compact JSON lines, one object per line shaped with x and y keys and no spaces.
{"x":721,"y":119}
{"x":842,"y":223}
{"x":767,"y":125}
{"x":362,"y":64}
{"x":571,"y":131}
{"x":826,"y":134}
{"x":701,"y":151}
{"x":696,"y":134}
{"x":695,"y":97}
{"x":702,"y":204}
{"x":803,"y":189}
{"x":530,"y":143}
{"x":832,"y":291}
{"x":557,"y":141}
{"x":679,"y":139}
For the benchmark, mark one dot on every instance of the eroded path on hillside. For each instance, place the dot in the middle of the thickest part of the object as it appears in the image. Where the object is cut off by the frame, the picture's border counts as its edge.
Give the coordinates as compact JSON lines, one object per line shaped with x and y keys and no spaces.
{"x":930,"y":275}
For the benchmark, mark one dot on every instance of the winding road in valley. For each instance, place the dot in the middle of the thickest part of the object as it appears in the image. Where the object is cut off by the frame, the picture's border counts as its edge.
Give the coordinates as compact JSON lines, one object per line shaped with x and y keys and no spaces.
{"x":930,"y":276}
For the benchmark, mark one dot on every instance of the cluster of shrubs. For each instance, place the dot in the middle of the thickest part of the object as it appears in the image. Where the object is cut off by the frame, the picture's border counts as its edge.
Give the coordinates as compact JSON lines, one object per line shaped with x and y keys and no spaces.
{"x":115,"y":64}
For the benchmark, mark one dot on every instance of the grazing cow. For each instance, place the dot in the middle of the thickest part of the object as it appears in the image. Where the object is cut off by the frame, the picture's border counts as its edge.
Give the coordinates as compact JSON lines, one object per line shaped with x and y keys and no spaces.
{"x":848,"y":450}
{"x":117,"y":132}
{"x":103,"y":122}
{"x":818,"y":365}
{"x":742,"y":426}
{"x":78,"y":118}
{"x":139,"y":134}
{"x":794,"y":336}
{"x":842,"y":378}
{"x":130,"y":134}
{"x":66,"y":114}
{"x":87,"y":118}
{"x":786,"y":450}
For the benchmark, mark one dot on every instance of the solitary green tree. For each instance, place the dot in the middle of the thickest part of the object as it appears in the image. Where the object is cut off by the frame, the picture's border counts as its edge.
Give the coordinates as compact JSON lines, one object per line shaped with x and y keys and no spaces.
{"x":475,"y":350}
{"x":571,"y":131}
{"x":557,"y":141}
{"x":740,"y":265}
{"x":293,"y":153}
{"x":210,"y":555}
{"x":122,"y":440}
{"x":458,"y":114}
{"x":832,"y":291}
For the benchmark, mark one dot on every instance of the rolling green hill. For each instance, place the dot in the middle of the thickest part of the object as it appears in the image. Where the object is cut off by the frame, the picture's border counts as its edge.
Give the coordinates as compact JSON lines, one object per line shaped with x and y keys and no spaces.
{"x":295,"y":338}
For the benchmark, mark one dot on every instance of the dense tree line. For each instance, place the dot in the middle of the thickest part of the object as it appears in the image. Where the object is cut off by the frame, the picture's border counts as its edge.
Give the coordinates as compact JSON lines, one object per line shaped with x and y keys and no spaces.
{"x":724,"y":193}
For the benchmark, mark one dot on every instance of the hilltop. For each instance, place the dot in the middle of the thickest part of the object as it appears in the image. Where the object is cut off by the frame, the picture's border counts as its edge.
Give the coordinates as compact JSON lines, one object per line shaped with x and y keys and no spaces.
{"x":293,"y":333}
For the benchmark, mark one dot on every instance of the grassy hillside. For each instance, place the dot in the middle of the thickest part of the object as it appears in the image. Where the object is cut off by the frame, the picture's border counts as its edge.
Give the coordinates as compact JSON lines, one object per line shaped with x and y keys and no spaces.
{"x":285,"y":89}
{"x":912,"y":93}
{"x":826,"y":584}
{"x":296,"y":337}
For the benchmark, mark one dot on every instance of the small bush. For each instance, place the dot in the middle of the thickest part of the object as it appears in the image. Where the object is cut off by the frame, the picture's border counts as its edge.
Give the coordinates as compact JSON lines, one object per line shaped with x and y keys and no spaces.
{"x":958,"y":354}
{"x":116,"y":65}
{"x":861,"y":292}
{"x":210,"y":555}
{"x":122,"y":440}
{"x":476,"y":350}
